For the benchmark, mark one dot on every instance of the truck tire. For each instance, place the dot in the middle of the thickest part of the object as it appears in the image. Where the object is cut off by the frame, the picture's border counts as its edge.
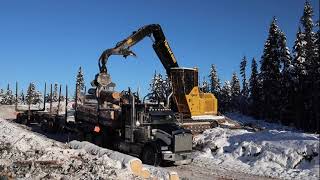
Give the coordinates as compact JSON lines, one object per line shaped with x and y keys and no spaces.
{"x":43,"y":125}
{"x":98,"y":139}
{"x":24,"y":120}
{"x":150,"y":156}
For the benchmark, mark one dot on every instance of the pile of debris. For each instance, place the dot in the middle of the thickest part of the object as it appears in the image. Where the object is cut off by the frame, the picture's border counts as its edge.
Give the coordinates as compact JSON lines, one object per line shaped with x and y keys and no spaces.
{"x":28,"y":155}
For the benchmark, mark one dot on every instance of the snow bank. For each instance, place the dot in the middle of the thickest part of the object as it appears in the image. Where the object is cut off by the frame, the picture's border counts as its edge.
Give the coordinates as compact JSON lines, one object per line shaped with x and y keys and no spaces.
{"x":28,"y":155}
{"x":274,"y":153}
{"x":132,"y":163}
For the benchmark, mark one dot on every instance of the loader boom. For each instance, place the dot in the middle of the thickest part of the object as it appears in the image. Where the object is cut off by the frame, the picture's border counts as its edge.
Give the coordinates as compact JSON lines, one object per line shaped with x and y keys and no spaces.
{"x":188,"y":98}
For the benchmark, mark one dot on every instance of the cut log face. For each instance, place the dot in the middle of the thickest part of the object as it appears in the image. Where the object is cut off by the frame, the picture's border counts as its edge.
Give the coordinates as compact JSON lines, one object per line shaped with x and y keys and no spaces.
{"x":145,"y":173}
{"x":173,"y":176}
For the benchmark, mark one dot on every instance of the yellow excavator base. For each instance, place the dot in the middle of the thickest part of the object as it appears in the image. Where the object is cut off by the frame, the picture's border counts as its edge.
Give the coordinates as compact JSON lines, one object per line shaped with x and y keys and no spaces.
{"x":202,"y":103}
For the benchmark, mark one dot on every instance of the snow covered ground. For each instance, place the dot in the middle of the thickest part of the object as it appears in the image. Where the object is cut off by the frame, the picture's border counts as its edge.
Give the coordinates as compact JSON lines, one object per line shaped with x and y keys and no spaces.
{"x":28,"y":155}
{"x":276,"y":151}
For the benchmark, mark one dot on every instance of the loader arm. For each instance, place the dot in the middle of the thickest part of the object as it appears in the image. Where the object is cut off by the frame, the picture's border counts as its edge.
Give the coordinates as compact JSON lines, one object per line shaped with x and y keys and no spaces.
{"x":160,"y":46}
{"x":187,"y":97}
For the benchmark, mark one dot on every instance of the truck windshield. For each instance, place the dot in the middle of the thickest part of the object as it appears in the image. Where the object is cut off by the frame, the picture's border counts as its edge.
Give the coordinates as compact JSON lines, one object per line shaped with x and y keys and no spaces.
{"x":163,"y":119}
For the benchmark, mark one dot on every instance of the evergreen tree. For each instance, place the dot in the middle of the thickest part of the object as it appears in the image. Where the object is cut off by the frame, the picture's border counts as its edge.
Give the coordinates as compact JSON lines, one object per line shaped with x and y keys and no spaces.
{"x":270,"y":73}
{"x":160,"y":88}
{"x":1,"y":92}
{"x":21,"y":98}
{"x":55,"y":93}
{"x":225,"y":97}
{"x":245,"y":88}
{"x":215,"y":85}
{"x":37,"y":98}
{"x":8,"y":98}
{"x":205,"y":86}
{"x":80,"y":80}
{"x":300,"y":72}
{"x":243,"y":65}
{"x":287,"y":85}
{"x":235,"y":92}
{"x":255,"y":91}
{"x":33,"y":96}
{"x":317,"y":82}
{"x":311,"y":80}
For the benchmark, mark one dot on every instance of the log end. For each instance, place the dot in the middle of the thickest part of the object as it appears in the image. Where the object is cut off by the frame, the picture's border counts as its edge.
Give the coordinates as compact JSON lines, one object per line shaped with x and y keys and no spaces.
{"x":136,"y":166}
{"x":173,"y":176}
{"x":145,"y":173}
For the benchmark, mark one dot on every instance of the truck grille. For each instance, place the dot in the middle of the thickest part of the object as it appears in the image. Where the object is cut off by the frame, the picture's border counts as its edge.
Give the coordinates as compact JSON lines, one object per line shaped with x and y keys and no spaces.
{"x":182,"y":142}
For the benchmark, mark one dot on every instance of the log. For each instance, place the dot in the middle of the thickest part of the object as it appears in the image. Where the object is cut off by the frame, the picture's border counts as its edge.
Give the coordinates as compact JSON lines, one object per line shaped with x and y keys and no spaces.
{"x":130,"y":162}
{"x":109,"y":96}
{"x":145,"y":173}
{"x":161,"y":173}
{"x":173,"y":176}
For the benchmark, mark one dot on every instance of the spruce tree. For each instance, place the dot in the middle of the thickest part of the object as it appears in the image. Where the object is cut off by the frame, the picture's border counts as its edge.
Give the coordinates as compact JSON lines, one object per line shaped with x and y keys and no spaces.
{"x":317,"y":82}
{"x":55,"y":93}
{"x":33,"y":96}
{"x":1,"y":92}
{"x":300,"y":72}
{"x":8,"y":98}
{"x":235,"y":92}
{"x":205,"y":86}
{"x":225,"y":98}
{"x":215,"y":85}
{"x":287,"y":87}
{"x":160,"y":88}
{"x":243,"y":64}
{"x":245,"y":89}
{"x":21,"y":98}
{"x":311,"y":81}
{"x":80,"y":79}
{"x":255,"y":91}
{"x":270,"y":74}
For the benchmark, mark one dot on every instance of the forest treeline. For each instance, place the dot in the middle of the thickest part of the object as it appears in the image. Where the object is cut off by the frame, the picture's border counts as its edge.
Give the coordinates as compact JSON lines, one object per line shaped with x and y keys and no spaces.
{"x":286,"y":87}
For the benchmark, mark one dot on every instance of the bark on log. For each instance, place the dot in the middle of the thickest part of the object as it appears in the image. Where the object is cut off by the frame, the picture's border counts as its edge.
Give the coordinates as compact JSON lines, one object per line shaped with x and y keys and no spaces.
{"x":132,"y":163}
{"x":112,"y":97}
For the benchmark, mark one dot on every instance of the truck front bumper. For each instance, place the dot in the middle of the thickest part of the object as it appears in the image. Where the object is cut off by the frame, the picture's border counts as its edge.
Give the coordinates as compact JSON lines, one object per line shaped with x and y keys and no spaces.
{"x":170,"y":156}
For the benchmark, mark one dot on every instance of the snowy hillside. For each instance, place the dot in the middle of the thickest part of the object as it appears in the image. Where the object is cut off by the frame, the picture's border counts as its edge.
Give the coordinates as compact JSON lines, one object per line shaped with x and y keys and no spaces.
{"x":273,"y":152}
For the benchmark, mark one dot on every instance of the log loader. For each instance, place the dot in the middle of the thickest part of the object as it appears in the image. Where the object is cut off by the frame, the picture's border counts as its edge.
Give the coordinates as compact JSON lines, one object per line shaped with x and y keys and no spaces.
{"x":197,"y":110}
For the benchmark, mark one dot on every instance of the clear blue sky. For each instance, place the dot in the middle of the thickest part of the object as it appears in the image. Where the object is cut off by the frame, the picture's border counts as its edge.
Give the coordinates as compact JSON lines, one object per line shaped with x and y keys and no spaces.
{"x":48,"y":40}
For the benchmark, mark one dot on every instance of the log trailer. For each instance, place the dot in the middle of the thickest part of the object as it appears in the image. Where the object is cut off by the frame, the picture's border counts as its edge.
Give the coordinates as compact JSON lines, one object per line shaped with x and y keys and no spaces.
{"x":49,"y":121}
{"x":27,"y":116}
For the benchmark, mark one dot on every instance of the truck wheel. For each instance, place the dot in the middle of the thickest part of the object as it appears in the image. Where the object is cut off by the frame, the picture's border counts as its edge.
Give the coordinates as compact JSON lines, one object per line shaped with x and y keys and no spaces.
{"x":18,"y":118}
{"x":24,"y":120}
{"x":97,"y":140}
{"x":43,"y":125}
{"x":150,"y":156}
